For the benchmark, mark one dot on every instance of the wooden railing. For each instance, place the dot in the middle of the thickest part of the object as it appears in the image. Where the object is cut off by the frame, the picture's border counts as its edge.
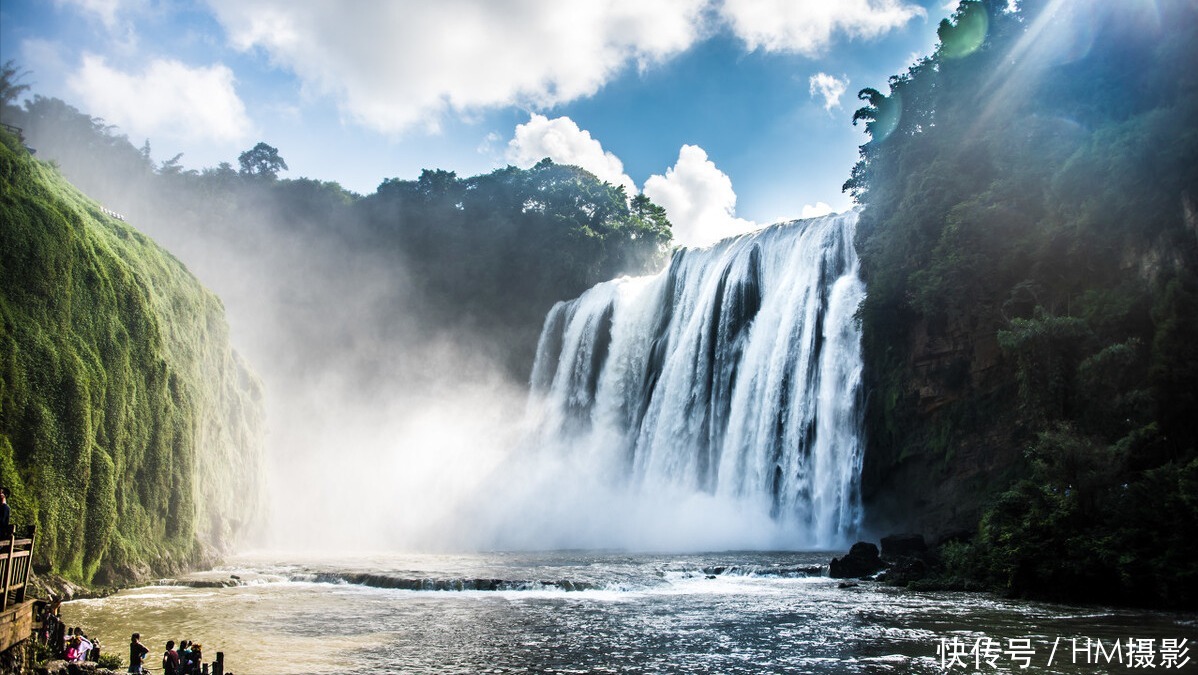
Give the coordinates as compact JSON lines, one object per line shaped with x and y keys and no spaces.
{"x":16,"y":554}
{"x":15,"y":131}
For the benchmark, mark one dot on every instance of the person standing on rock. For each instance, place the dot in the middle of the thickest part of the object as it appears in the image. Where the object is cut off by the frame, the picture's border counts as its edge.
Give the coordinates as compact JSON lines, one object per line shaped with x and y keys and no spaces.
{"x":137,"y":654}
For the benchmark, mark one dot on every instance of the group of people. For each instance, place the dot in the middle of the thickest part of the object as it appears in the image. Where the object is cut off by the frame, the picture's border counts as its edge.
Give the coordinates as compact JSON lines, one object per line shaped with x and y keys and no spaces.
{"x":78,"y":647}
{"x":186,"y":660}
{"x":71,"y":644}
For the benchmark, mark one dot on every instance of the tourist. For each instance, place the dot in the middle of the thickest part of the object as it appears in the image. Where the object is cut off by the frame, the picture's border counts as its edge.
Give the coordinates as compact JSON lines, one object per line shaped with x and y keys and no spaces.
{"x":137,"y":654}
{"x":71,"y":653}
{"x":185,"y":656}
{"x":85,"y":646}
{"x":170,"y":659}
{"x":5,"y":514}
{"x":197,"y":657}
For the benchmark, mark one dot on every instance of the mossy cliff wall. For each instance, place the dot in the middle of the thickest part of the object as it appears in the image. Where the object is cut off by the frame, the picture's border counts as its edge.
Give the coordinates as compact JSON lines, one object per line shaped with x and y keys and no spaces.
{"x":130,"y":432}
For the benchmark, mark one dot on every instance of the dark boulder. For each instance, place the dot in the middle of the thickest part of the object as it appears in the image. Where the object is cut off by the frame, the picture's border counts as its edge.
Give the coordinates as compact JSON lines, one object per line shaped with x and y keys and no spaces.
{"x":898,"y":546}
{"x":862,"y":560}
{"x":904,"y":571}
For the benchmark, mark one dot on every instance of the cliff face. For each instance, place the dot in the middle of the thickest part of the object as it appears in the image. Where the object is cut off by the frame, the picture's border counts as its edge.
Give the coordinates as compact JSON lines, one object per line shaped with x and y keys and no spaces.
{"x":1030,"y":334}
{"x":927,"y":473}
{"x":130,"y":432}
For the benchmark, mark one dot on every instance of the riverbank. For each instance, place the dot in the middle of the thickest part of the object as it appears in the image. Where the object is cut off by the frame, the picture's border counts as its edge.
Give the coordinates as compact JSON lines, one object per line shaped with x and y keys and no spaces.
{"x":53,"y":587}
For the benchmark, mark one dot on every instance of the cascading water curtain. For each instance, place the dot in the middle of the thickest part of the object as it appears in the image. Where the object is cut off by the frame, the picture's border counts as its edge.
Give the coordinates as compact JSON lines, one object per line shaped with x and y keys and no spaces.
{"x":736,"y":372}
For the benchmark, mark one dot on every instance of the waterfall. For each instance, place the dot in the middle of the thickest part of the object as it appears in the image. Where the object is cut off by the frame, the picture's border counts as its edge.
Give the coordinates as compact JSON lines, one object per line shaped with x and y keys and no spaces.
{"x":733,"y":375}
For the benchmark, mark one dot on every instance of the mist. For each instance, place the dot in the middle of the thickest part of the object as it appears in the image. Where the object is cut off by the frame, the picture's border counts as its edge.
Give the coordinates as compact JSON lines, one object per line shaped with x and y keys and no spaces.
{"x":379,"y":419}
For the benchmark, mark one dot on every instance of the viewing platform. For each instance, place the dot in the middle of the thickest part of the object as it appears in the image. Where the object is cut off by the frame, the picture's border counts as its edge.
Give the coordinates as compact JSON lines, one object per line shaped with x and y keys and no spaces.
{"x":16,"y":613}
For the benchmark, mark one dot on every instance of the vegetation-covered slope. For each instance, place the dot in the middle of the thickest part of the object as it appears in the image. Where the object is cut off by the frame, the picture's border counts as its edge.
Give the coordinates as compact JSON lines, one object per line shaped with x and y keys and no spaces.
{"x":1030,"y":242}
{"x":129,"y":430}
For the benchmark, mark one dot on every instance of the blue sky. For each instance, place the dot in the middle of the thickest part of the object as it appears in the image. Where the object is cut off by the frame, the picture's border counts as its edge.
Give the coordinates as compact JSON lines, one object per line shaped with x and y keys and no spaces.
{"x":730,"y":113}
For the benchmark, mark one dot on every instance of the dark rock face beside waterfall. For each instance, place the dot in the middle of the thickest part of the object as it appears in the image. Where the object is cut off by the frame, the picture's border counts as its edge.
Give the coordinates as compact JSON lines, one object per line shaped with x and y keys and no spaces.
{"x":897,"y":546}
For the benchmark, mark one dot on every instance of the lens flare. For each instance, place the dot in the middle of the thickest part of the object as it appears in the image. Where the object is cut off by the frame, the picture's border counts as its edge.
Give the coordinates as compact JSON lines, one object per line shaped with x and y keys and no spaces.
{"x":967,"y":35}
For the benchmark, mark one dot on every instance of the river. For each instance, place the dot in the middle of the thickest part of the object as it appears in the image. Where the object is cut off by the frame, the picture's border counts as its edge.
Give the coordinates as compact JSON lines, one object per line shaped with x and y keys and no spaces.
{"x":608,"y":612}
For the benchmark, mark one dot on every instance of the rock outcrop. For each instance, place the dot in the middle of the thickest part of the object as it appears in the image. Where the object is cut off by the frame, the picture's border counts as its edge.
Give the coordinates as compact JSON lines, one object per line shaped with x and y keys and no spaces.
{"x":862,"y":560}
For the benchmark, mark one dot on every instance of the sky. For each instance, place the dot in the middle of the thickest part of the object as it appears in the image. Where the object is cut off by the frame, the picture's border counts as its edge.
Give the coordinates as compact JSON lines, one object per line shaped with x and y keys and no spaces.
{"x":732,"y":114}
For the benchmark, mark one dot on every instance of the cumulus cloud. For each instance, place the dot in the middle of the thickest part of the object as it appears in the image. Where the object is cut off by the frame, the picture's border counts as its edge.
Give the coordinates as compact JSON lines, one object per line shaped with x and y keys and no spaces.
{"x":169,"y":99}
{"x":809,"y":26}
{"x":815,"y":210}
{"x":698,"y":198}
{"x":561,"y":140}
{"x":406,"y":64}
{"x":829,"y":88}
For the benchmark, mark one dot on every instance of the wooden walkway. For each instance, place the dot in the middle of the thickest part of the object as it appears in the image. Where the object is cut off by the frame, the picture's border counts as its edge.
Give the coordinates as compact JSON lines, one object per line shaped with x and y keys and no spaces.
{"x":16,"y":613}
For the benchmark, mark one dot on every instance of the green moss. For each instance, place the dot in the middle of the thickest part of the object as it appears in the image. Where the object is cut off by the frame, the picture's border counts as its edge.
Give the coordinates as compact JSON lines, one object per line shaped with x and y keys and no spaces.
{"x":114,"y":372}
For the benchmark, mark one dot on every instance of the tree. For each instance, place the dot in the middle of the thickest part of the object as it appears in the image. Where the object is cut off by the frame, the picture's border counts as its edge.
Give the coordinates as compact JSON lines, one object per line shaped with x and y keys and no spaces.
{"x":261,"y":161}
{"x":10,"y":87}
{"x":881,"y":115}
{"x":651,"y":218}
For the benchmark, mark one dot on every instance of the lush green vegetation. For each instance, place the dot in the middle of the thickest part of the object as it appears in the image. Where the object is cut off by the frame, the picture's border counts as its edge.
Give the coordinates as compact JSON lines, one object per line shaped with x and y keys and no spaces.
{"x":129,"y":431}
{"x":1030,"y":241}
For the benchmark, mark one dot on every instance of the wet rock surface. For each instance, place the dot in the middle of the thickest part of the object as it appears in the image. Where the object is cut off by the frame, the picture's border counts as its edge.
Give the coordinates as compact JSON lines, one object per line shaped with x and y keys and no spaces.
{"x":899,"y":546}
{"x":862,"y":560}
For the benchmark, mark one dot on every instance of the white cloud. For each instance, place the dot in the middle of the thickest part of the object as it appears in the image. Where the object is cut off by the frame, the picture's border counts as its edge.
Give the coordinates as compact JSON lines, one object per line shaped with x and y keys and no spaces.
{"x":395,"y":66}
{"x":809,"y":26}
{"x":406,"y":64}
{"x":116,"y":16}
{"x":105,"y":10}
{"x":829,"y":88}
{"x":169,"y":99}
{"x":698,"y":198}
{"x":816,"y":210}
{"x":561,"y":140}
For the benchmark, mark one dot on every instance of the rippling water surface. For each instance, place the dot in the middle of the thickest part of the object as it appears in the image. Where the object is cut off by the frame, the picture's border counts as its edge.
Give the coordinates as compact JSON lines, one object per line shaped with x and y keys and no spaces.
{"x":584,"y":612}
